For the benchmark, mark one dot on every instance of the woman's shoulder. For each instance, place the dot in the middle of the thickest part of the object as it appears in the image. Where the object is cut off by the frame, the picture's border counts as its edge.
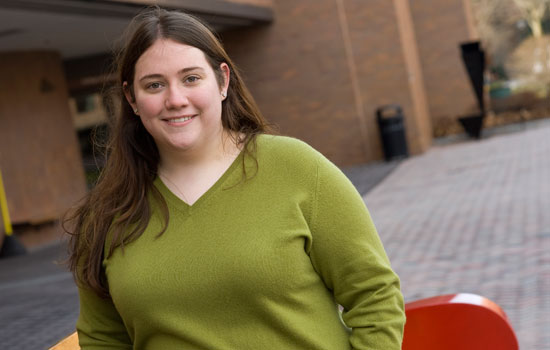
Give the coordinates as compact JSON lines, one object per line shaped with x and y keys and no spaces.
{"x":294,"y":156}
{"x":289,"y":155}
{"x":287,"y":147}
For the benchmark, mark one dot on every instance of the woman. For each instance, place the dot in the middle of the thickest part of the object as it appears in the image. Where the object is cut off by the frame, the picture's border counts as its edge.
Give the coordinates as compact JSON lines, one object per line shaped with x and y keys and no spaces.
{"x":204,"y":232}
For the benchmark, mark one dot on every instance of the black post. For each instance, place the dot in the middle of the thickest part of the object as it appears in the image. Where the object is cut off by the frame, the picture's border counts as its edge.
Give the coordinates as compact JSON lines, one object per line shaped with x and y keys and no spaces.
{"x":474,"y":61}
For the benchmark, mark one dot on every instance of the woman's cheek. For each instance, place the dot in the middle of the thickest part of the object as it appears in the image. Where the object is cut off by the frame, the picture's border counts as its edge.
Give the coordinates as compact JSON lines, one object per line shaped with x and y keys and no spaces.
{"x":149,"y":105}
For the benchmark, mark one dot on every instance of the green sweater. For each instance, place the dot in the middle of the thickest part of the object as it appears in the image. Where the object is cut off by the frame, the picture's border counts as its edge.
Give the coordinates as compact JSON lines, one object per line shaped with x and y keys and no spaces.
{"x":256,"y":264}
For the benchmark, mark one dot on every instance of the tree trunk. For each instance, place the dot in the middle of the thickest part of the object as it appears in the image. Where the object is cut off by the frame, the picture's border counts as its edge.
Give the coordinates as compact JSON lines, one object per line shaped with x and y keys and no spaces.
{"x":536,"y":27}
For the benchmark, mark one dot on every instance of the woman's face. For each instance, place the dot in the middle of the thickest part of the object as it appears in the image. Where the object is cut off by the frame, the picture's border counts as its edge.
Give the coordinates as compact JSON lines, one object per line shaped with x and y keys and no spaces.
{"x":178,"y":97}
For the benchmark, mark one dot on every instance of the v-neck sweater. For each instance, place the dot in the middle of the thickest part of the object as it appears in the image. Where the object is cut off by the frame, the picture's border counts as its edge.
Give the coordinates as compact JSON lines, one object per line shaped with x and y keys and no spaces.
{"x":255,"y":263}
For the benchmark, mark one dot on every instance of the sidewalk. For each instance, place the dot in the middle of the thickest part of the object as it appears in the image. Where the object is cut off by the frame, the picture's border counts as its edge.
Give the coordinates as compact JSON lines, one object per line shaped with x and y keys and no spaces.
{"x":467,"y":216}
{"x":38,"y":300}
{"x":475,"y":217}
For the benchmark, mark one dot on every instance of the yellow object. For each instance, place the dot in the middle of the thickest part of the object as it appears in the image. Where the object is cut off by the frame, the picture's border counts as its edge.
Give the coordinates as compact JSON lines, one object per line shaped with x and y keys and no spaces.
{"x":69,"y":343}
{"x":4,"y":208}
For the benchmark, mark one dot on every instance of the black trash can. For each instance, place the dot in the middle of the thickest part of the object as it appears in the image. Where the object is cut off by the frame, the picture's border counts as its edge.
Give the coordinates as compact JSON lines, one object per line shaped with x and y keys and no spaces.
{"x":392,"y":131}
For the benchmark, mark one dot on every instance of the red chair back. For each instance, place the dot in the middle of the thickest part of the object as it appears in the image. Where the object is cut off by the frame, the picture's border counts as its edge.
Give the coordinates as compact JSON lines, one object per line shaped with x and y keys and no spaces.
{"x":457,"y":322}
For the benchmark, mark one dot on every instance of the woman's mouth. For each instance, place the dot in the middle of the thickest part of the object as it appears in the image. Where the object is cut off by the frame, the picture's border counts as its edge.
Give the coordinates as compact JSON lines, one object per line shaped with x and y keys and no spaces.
{"x":179,"y":119}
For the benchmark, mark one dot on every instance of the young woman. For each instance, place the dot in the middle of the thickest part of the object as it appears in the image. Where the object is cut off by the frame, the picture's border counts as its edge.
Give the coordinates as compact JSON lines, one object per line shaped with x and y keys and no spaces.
{"x":205,"y":232}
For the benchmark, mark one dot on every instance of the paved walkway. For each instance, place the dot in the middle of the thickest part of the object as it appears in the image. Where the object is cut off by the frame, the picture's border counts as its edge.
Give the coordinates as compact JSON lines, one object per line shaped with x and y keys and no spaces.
{"x":471,"y":216}
{"x":475,"y":217}
{"x":38,"y":300}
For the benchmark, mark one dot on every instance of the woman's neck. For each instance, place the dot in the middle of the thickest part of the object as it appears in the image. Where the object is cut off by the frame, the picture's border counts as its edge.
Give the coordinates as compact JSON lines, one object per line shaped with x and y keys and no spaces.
{"x":177,"y":161}
{"x":190,"y":176}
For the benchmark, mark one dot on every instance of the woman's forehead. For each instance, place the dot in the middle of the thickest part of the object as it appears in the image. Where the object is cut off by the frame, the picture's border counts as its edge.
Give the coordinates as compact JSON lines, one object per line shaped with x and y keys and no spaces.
{"x":169,"y":55}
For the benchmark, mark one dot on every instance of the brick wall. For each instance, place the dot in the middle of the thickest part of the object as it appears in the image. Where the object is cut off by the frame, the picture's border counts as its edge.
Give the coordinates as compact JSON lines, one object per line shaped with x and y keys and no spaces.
{"x":388,"y":68}
{"x":440,"y":26}
{"x":301,"y":71}
{"x":297,"y":70}
{"x":39,"y":153}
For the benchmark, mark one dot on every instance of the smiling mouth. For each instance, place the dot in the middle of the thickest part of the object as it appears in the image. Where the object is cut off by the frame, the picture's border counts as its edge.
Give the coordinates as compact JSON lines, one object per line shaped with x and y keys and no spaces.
{"x":179,"y":119}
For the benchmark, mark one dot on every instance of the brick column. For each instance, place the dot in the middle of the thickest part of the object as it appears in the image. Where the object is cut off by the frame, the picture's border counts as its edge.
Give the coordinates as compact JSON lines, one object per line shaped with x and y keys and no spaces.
{"x":39,"y":153}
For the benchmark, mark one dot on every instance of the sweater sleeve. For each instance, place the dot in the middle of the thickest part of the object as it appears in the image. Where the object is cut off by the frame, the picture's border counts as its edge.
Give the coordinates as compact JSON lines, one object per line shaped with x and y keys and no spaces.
{"x":348,"y":255}
{"x":99,"y":325}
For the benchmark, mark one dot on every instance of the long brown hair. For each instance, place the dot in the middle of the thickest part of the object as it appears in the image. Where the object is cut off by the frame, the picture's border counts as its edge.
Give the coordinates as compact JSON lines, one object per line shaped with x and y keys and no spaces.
{"x":118,"y":204}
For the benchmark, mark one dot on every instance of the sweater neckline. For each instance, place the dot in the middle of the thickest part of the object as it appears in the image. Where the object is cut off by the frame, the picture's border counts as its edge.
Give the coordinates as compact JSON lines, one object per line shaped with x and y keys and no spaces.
{"x":180,"y":204}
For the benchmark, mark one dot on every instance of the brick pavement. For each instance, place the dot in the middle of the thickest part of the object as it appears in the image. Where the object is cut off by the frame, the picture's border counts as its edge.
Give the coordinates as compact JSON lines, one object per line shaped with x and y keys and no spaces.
{"x":38,"y":300}
{"x":475,"y":217}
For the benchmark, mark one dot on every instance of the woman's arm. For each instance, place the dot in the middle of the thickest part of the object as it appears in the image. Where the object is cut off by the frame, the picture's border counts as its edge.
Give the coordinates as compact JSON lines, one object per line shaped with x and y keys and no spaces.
{"x":348,"y":255}
{"x":99,"y":325}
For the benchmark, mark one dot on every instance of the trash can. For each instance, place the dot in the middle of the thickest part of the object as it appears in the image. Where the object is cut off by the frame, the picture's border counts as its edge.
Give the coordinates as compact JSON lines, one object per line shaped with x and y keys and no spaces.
{"x":392,"y":131}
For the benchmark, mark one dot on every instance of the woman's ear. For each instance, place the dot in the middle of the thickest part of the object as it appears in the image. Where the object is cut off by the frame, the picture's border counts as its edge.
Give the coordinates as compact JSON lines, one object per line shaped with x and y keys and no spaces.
{"x":129,"y":94}
{"x":226,"y":74}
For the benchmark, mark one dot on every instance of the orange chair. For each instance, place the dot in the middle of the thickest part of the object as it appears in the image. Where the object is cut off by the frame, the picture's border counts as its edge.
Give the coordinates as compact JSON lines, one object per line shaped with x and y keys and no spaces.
{"x":447,"y":322}
{"x":457,"y":322}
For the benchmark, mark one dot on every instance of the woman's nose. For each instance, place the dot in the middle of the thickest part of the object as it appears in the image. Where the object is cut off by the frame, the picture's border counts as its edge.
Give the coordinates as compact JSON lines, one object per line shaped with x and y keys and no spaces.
{"x":176,"y":97}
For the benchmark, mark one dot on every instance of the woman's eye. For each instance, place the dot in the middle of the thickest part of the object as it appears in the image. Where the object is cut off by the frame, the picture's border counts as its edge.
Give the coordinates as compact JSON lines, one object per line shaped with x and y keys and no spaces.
{"x":192,"y":79}
{"x":154,"y":86}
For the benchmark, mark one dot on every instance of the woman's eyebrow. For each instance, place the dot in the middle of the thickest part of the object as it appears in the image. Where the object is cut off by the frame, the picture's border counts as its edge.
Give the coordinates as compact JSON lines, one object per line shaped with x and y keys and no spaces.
{"x":189,"y":69}
{"x":182,"y":71}
{"x":150,"y":76}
